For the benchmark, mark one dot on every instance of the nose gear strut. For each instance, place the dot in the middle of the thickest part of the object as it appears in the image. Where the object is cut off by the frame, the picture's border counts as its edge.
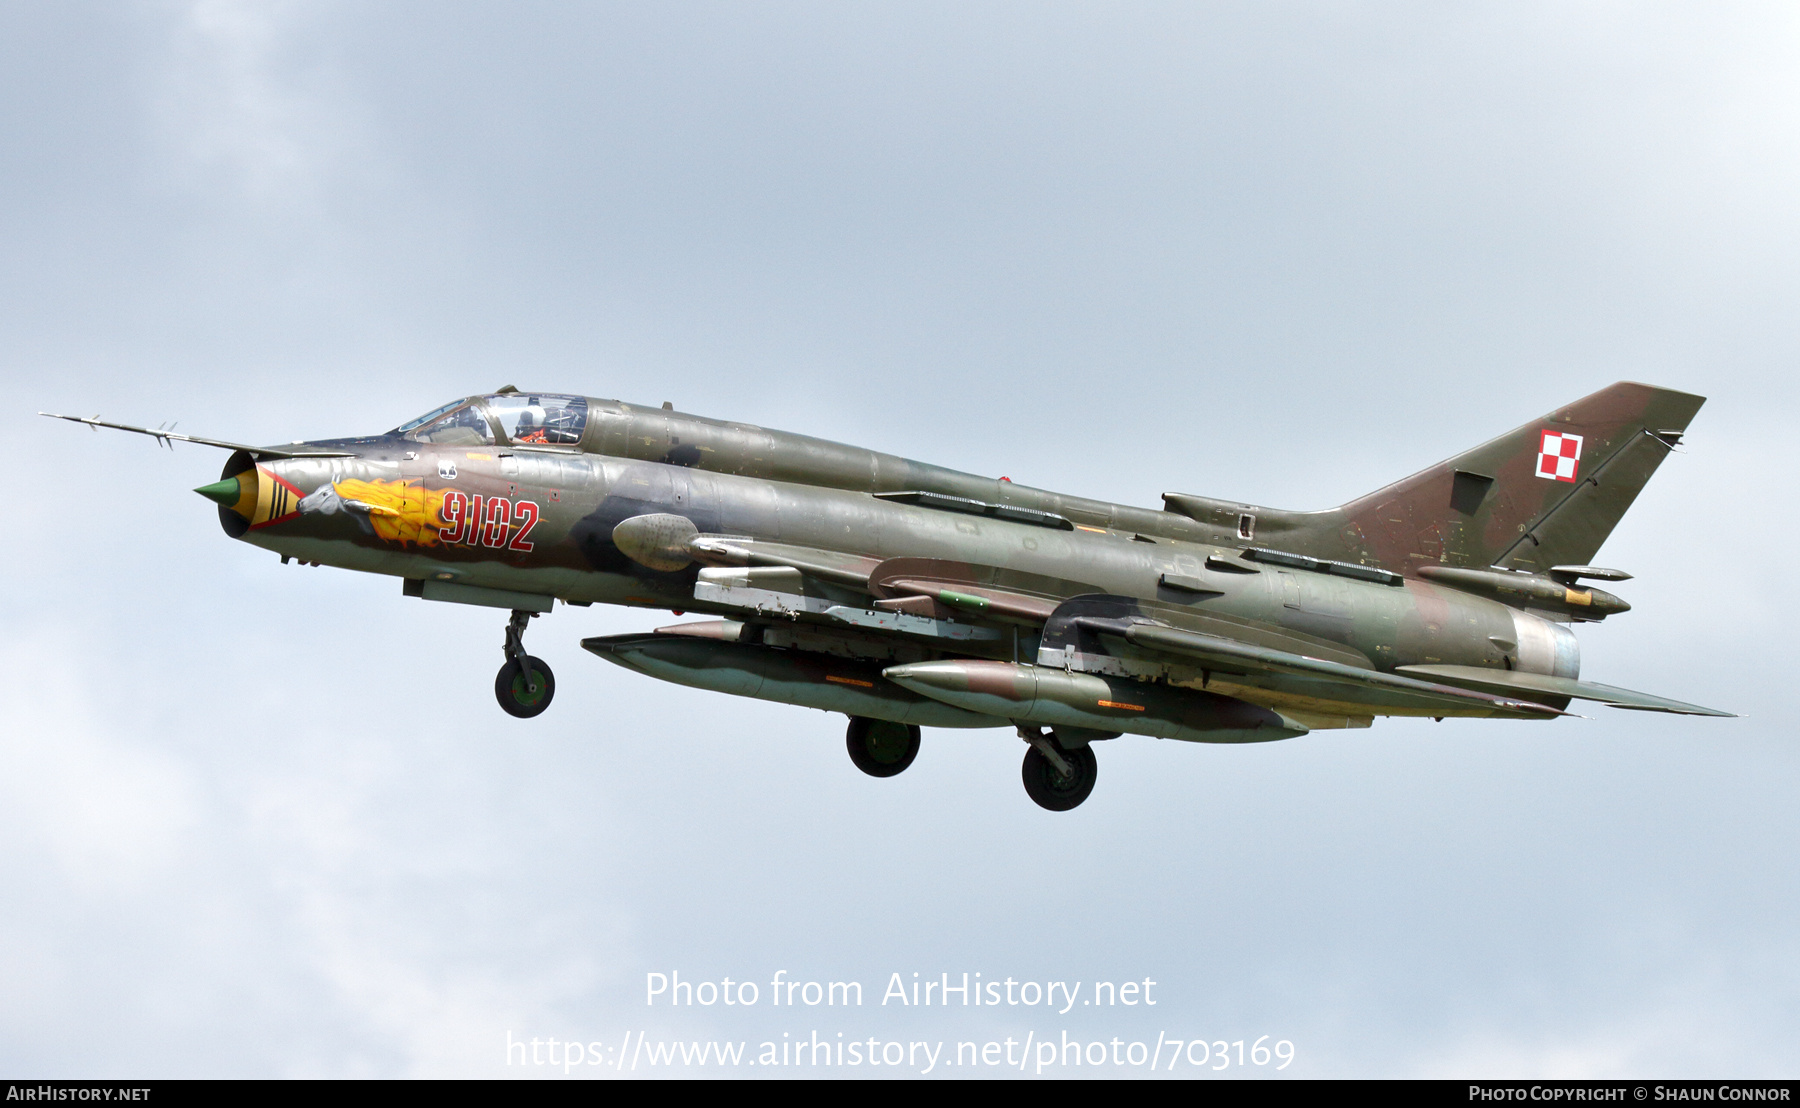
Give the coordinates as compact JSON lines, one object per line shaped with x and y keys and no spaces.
{"x":524,"y":685}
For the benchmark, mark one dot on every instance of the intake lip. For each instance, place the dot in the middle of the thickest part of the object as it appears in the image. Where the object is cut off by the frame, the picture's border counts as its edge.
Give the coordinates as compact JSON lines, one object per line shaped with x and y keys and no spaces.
{"x":240,"y":471}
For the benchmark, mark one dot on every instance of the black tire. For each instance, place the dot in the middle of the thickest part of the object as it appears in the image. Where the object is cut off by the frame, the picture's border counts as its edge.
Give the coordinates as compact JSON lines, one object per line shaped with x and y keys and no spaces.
{"x":1051,"y":789}
{"x":515,"y":699}
{"x":881,"y":748}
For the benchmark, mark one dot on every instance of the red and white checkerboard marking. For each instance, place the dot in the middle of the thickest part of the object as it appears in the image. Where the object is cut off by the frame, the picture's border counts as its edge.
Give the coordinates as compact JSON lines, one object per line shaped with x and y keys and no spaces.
{"x":1559,"y":456}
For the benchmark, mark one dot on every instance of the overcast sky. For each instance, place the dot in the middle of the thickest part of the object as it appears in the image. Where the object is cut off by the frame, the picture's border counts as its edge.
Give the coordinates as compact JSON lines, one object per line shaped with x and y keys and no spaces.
{"x":267,"y":821}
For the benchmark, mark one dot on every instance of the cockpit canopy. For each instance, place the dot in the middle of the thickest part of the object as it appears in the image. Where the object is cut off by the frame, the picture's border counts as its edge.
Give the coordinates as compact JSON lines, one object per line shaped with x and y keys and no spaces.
{"x":523,"y":418}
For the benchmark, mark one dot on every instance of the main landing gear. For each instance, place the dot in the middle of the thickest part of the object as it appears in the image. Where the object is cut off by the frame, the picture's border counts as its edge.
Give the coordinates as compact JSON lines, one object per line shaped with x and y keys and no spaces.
{"x":881,"y":748}
{"x":1059,"y":770}
{"x":1057,"y":777}
{"x":524,"y":684}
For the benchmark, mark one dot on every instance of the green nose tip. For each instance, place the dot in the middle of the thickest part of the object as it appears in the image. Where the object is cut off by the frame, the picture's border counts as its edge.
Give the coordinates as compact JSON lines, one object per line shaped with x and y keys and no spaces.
{"x":224,"y":492}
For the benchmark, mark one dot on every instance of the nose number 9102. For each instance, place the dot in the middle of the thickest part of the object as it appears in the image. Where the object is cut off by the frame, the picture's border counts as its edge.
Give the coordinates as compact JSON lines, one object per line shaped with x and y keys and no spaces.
{"x":493,"y":521}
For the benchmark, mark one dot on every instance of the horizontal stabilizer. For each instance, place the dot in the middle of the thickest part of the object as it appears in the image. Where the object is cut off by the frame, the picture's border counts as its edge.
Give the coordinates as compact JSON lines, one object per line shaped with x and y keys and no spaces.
{"x":1238,"y":657}
{"x":1525,"y":684}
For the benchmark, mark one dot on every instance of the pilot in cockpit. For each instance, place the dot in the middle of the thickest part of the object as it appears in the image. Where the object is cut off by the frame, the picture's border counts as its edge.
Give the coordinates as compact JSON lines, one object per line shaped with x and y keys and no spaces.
{"x":531,"y":427}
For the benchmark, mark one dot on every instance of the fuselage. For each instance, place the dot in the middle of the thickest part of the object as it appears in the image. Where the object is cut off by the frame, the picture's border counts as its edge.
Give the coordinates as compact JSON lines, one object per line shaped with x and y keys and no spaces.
{"x":488,"y":494}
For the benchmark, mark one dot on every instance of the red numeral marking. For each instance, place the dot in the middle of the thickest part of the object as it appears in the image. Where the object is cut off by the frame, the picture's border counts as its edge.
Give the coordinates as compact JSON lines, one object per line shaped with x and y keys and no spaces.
{"x":487,"y":521}
{"x":499,"y":514}
{"x":525,"y":517}
{"x":472,"y":533}
{"x":456,"y":514}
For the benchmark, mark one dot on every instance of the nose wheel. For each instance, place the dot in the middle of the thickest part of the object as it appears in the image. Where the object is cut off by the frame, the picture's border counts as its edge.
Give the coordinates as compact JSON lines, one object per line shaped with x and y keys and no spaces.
{"x":524,"y":686}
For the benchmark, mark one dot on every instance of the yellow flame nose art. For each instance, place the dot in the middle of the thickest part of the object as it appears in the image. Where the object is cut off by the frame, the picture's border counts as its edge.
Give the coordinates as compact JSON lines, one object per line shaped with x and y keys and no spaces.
{"x":400,"y":511}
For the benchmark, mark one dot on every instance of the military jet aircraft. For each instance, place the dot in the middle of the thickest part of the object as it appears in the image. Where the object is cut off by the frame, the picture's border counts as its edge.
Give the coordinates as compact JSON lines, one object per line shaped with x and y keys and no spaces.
{"x":905,"y":595}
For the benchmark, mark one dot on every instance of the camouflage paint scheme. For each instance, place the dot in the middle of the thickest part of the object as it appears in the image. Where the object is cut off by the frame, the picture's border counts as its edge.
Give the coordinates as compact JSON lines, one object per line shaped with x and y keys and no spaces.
{"x":866,"y":583}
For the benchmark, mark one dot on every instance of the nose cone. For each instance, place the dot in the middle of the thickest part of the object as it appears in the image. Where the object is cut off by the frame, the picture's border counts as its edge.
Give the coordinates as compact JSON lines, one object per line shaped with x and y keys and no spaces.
{"x":237,"y":494}
{"x":224,"y":492}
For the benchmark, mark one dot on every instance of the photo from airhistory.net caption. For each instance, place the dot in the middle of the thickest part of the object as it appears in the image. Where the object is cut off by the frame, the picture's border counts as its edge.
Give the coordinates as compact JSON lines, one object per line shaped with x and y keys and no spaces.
{"x":834,"y":1027}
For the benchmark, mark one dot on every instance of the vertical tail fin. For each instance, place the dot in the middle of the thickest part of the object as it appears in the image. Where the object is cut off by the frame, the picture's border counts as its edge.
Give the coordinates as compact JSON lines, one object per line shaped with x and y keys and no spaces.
{"x":1546,"y":493}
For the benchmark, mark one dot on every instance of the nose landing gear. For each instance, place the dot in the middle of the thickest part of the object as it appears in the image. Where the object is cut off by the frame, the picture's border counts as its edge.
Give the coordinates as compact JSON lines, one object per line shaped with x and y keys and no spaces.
{"x":524,"y":685}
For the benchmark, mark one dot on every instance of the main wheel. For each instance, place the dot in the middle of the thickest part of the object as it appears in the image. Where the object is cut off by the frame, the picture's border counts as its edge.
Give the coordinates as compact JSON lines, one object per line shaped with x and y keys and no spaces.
{"x":1052,"y":789}
{"x":514,"y":692}
{"x":881,"y":748}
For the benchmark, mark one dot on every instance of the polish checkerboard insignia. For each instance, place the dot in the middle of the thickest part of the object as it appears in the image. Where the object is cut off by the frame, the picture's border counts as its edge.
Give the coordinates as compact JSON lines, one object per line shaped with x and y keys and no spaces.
{"x":1559,"y":456}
